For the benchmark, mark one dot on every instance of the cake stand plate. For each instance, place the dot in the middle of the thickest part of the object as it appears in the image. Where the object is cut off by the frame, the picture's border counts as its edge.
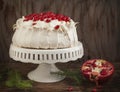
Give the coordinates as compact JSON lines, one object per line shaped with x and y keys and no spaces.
{"x":46,"y":60}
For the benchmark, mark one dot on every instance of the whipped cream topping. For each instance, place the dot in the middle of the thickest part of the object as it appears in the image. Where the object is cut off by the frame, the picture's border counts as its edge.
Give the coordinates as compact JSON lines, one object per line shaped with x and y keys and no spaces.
{"x":48,"y":22}
{"x":42,"y":25}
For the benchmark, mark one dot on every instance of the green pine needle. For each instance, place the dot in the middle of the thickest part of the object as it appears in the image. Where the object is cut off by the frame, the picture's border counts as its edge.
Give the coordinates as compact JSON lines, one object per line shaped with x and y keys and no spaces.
{"x":24,"y":84}
{"x":74,"y":75}
{"x":15,"y":80}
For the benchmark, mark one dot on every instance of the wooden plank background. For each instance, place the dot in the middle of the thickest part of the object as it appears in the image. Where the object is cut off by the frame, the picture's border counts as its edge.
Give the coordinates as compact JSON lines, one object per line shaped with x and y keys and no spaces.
{"x":98,"y":28}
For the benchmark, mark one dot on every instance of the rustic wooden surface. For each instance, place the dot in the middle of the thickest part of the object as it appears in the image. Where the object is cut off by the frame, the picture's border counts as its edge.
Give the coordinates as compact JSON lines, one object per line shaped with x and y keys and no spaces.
{"x":112,"y":86}
{"x":98,"y":27}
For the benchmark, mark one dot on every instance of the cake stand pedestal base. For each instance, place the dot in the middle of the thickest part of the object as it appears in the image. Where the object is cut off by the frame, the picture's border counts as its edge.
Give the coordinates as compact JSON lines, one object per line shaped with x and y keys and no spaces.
{"x":44,"y":73}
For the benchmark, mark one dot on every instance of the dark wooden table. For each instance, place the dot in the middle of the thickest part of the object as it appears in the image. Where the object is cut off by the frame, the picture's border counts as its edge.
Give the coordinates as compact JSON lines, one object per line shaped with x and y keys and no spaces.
{"x":112,"y":86}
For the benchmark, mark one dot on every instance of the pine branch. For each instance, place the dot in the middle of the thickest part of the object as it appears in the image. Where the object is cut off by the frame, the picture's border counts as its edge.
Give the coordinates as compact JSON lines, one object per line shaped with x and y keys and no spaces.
{"x":74,"y":75}
{"x":12,"y":78}
{"x":15,"y":80}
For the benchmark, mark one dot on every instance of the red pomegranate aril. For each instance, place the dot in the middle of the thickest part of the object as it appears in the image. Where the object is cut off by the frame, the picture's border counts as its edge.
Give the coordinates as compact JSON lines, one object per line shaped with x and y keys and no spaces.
{"x":41,"y":14}
{"x":89,"y":63}
{"x":64,"y":18}
{"x":41,"y":18}
{"x":67,"y":20}
{"x":27,"y":16}
{"x":59,"y":19}
{"x":94,"y":90}
{"x":48,"y":20}
{"x":31,"y":16}
{"x":53,"y":18}
{"x":44,"y":17}
{"x":35,"y":18}
{"x":34,"y":24}
{"x":57,"y":15}
{"x":57,"y":27}
{"x":47,"y":16}
{"x":94,"y":65}
{"x":86,"y":71}
{"x":104,"y":72}
{"x":52,"y":15}
{"x":44,"y":13}
{"x":60,"y":16}
{"x":70,"y":89}
{"x":105,"y":65}
{"x":110,"y":68}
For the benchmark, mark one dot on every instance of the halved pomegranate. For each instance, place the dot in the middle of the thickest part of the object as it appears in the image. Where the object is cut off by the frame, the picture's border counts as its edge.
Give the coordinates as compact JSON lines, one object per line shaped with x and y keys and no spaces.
{"x":97,"y":70}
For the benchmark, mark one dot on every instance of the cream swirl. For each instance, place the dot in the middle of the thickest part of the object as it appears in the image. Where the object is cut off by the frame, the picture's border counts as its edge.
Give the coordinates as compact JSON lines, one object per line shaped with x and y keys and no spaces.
{"x":40,"y":25}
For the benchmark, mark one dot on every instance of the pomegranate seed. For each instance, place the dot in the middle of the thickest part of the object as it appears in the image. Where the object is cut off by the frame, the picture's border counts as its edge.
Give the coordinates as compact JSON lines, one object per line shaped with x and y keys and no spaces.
{"x":34,"y":24}
{"x":53,"y":18}
{"x":94,"y":90}
{"x":103,"y":72}
{"x":70,"y":88}
{"x":35,"y":18}
{"x":56,"y":27}
{"x":48,"y":20}
{"x":48,"y":16}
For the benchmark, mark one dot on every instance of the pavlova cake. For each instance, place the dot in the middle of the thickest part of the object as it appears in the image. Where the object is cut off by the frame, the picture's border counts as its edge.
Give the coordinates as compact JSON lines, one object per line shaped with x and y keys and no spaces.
{"x":45,"y":31}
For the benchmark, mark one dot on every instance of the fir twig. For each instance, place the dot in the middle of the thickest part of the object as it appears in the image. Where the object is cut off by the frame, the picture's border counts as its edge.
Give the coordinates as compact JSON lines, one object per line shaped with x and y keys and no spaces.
{"x":74,"y":75}
{"x":15,"y":80}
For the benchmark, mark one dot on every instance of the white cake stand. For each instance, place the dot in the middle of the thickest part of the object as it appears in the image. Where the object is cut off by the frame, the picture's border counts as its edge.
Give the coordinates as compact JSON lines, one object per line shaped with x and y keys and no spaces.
{"x":46,"y":60}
